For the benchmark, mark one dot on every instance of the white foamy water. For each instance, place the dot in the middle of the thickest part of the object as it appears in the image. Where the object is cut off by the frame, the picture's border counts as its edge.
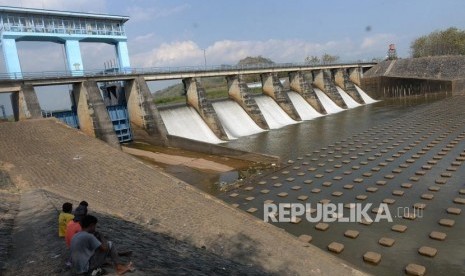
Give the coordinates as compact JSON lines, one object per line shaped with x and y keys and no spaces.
{"x":236,"y":122}
{"x":259,"y":84}
{"x":351,"y":103}
{"x":327,"y":103}
{"x":305,"y":110}
{"x":274,"y":115}
{"x":367,"y":99}
{"x":254,"y":85}
{"x":186,"y":122}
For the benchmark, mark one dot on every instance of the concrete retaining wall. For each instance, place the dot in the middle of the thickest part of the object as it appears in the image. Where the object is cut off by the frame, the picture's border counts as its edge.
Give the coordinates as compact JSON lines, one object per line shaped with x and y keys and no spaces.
{"x":420,"y":75}
{"x":458,"y":87}
{"x":390,"y":87}
{"x":198,"y":146}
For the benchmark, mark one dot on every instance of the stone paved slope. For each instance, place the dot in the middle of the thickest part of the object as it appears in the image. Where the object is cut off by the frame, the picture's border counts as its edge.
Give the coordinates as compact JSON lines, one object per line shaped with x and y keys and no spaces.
{"x":439,"y":67}
{"x":46,"y":154}
{"x":153,"y":253}
{"x":9,"y":204}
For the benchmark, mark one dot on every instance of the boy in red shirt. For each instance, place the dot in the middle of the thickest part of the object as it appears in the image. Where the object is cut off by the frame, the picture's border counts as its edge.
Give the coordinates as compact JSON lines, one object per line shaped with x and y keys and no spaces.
{"x":73,"y":226}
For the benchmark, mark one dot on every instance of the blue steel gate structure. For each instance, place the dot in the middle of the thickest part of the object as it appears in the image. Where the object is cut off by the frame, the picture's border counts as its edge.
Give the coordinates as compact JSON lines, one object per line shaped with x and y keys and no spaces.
{"x":68,"y":117}
{"x":120,"y":120}
{"x":118,"y":116}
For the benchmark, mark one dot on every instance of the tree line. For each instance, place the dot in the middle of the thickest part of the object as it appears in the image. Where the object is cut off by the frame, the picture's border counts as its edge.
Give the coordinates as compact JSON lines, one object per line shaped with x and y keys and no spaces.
{"x":324,"y":59}
{"x":314,"y":60}
{"x":438,"y":43}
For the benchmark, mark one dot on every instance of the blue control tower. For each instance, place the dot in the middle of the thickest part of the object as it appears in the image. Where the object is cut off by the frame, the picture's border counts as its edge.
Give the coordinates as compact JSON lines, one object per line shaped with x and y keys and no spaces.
{"x":68,"y":28}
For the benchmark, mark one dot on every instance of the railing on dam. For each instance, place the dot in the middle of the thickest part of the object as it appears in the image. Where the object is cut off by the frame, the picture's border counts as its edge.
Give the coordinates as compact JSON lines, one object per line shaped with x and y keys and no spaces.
{"x":173,"y":70}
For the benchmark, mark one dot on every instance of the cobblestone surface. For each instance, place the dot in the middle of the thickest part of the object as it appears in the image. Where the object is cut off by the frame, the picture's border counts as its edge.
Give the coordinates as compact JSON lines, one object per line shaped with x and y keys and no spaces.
{"x":412,"y":162}
{"x":426,"y":67}
{"x":9,"y":204}
{"x":153,"y":253}
{"x":47,"y":155}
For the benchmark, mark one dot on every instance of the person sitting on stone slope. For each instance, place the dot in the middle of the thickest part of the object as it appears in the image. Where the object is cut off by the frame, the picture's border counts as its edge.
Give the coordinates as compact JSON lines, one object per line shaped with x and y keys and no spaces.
{"x":74,"y":226}
{"x":89,"y":253}
{"x":64,"y":217}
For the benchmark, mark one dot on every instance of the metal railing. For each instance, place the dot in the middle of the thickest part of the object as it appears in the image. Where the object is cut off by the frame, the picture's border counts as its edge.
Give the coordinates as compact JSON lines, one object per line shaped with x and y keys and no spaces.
{"x":51,"y":24}
{"x":168,"y":70}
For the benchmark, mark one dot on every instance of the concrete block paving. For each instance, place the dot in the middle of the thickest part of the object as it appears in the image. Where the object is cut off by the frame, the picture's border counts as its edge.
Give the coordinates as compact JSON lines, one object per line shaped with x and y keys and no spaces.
{"x":412,"y":163}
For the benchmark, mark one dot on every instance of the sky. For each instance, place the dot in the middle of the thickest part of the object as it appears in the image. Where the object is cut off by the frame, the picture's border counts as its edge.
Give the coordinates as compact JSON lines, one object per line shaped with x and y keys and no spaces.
{"x":176,"y":33}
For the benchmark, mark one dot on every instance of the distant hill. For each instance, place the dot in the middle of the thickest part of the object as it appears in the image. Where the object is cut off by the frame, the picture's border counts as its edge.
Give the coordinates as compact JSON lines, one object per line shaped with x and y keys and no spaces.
{"x":216,"y":87}
{"x":171,"y":94}
{"x":255,"y":60}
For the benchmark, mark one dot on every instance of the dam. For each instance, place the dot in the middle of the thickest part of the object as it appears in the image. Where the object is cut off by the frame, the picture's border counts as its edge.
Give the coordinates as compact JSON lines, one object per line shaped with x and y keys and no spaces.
{"x":352,"y":133}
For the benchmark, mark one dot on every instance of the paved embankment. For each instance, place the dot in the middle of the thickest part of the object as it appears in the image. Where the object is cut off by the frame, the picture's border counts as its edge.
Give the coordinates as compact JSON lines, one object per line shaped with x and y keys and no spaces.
{"x":438,"y":67}
{"x":9,"y":204}
{"x":45,"y":154}
{"x":38,"y":250}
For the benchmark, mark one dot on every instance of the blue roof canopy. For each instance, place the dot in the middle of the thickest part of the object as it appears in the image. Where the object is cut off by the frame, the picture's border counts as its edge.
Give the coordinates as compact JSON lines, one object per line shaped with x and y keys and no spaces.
{"x":31,"y":11}
{"x":26,"y":24}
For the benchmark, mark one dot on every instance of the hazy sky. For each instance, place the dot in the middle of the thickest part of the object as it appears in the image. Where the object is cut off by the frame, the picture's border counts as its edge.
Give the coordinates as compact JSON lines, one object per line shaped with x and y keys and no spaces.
{"x":174,"y":32}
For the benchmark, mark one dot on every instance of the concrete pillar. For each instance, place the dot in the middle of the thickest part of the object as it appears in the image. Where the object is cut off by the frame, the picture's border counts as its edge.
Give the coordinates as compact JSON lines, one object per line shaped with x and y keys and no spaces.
{"x":355,"y":75}
{"x":26,"y":104}
{"x":73,"y":57}
{"x":238,"y":91}
{"x":92,"y":113}
{"x":324,"y":81}
{"x":10,"y":55}
{"x":123,"y":56}
{"x":299,"y":84}
{"x":83,"y":110}
{"x":197,"y":98}
{"x":142,"y":110}
{"x":341,"y":78}
{"x":272,"y":87}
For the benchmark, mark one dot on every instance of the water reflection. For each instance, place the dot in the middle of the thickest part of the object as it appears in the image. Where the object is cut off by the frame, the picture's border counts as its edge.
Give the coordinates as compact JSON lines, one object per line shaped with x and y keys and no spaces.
{"x":291,"y":141}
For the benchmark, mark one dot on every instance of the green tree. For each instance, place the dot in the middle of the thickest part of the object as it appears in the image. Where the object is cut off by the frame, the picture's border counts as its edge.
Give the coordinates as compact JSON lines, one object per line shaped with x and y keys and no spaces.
{"x":313,"y":60}
{"x":447,"y":42}
{"x":328,"y":59}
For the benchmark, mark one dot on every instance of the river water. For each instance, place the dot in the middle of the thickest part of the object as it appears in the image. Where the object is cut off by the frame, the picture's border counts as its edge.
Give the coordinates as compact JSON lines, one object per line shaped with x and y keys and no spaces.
{"x":367,"y":155}
{"x":293,"y":140}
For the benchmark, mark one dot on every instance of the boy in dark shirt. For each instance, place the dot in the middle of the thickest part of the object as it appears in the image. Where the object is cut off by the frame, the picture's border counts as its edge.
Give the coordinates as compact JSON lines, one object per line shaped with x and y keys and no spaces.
{"x":88,"y":253}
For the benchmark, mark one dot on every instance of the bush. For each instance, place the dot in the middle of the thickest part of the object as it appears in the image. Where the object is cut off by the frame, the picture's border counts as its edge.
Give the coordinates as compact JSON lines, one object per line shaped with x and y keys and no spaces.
{"x":439,"y":43}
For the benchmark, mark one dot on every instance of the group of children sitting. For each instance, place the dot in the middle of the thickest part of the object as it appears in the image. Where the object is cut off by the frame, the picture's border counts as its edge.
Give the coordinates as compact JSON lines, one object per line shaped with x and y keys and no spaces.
{"x":89,"y":249}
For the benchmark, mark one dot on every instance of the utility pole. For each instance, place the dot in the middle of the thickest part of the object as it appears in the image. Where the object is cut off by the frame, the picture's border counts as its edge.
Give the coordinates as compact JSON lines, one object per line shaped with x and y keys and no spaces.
{"x":205,"y":57}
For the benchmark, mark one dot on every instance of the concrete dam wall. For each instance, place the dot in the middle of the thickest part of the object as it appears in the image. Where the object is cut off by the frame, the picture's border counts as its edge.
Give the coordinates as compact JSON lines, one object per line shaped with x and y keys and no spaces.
{"x":406,"y":77}
{"x":117,"y":111}
{"x":184,"y":121}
